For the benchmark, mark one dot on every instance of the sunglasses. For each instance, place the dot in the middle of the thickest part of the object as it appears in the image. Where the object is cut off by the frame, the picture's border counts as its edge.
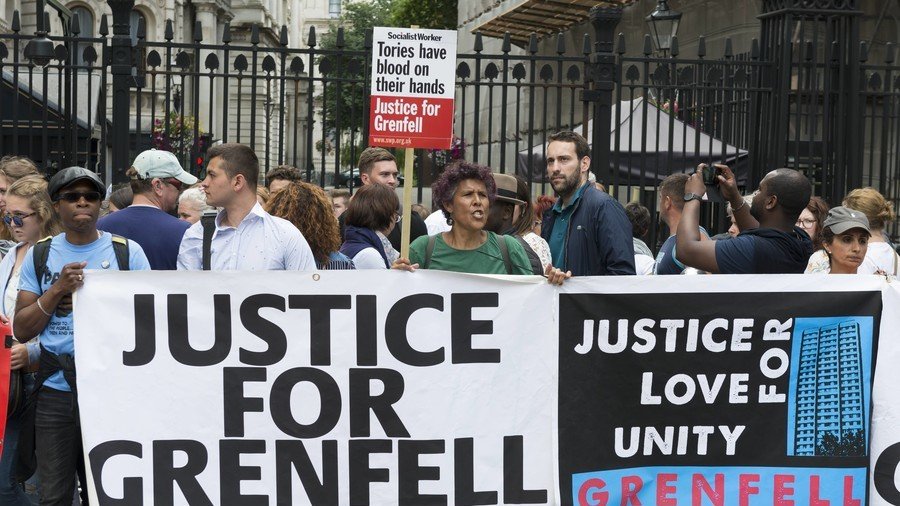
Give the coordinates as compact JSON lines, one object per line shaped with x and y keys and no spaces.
{"x":17,"y":219}
{"x":174,"y":182}
{"x":76,"y":196}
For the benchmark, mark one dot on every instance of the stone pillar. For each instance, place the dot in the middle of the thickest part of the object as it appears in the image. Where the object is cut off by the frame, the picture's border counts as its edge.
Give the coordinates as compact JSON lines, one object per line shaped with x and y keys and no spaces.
{"x":206,"y":18}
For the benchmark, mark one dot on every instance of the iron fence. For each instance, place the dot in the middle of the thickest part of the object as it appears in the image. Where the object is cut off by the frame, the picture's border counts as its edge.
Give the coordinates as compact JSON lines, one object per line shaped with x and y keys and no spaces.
{"x":805,"y":96}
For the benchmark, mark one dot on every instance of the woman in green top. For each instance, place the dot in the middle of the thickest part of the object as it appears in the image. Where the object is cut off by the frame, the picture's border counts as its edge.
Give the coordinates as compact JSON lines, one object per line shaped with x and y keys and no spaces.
{"x":465,"y":192}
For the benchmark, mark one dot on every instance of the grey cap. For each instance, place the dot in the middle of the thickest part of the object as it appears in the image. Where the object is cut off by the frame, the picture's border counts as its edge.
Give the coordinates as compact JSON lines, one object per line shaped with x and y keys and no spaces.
{"x":841,"y":219}
{"x":71,"y":175}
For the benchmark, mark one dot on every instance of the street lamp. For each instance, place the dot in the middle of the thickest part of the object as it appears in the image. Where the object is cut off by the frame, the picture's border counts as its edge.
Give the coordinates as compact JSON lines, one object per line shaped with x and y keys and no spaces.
{"x":40,"y":49}
{"x":663,"y":23}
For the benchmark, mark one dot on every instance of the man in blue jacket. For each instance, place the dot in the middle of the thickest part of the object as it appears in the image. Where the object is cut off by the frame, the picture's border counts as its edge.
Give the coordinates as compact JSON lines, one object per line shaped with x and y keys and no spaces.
{"x":588,"y":231}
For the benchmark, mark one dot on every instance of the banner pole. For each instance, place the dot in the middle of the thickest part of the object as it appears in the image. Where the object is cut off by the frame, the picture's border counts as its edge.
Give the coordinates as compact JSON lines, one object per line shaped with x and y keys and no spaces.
{"x":406,"y":205}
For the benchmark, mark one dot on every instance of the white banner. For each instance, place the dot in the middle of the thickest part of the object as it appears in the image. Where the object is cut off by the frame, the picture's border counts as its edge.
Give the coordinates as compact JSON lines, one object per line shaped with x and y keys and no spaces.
{"x":388,"y":387}
{"x":335,"y":387}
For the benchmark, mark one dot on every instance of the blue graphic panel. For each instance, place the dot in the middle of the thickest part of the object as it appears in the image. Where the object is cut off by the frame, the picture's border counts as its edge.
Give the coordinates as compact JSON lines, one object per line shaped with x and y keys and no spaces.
{"x":830,"y":386}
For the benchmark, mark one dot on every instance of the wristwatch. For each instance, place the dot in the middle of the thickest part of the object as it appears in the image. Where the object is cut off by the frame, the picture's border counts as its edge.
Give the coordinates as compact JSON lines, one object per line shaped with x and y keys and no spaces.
{"x":692,"y":196}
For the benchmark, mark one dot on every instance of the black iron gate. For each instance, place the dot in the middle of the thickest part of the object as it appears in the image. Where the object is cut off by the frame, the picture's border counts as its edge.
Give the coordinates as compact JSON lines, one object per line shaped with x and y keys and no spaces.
{"x":804,"y":96}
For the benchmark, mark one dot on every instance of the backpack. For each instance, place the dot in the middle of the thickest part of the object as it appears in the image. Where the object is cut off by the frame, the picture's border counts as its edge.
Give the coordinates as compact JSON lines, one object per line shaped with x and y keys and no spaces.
{"x":41,"y":252}
{"x":537,"y":267}
{"x":501,"y":241}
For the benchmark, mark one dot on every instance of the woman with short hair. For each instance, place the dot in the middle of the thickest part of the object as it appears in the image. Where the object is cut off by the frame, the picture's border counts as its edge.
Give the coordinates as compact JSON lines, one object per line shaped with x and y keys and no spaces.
{"x":192,"y":204}
{"x":369,"y":219}
{"x":465,"y":192}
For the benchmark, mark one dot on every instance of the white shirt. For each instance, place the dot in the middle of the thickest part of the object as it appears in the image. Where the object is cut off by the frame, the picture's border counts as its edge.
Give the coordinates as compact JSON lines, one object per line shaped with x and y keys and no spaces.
{"x":539,"y":246}
{"x":879,"y":256}
{"x":260,"y":242}
{"x":368,"y":258}
{"x":436,"y":223}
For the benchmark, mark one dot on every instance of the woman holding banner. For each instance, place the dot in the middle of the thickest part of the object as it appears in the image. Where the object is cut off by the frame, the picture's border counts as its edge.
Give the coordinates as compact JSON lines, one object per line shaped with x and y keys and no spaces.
{"x":465,"y":192}
{"x":29,"y":216}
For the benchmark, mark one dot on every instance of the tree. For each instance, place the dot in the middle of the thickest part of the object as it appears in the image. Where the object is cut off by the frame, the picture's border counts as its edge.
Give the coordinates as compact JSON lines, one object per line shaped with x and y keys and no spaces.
{"x":436,"y":14}
{"x":343,"y":103}
{"x":851,"y":445}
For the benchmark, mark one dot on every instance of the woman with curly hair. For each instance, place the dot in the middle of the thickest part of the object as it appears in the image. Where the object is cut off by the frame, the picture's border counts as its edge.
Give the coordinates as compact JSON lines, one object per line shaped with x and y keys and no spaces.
{"x":308,"y":208}
{"x":465,"y":192}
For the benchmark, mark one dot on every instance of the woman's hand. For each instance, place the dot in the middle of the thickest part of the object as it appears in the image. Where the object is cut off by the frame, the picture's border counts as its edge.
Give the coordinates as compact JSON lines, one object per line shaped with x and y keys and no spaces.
{"x":402,"y":264}
{"x":556,"y":276}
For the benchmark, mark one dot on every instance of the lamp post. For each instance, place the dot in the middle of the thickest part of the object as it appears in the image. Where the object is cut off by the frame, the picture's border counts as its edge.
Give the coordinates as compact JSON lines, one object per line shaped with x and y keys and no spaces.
{"x":40,"y":49}
{"x":663,"y":23}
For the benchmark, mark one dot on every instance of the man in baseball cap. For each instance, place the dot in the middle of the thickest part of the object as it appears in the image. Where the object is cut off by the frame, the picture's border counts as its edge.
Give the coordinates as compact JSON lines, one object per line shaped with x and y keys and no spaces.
{"x":51,"y":272}
{"x":157,"y":179}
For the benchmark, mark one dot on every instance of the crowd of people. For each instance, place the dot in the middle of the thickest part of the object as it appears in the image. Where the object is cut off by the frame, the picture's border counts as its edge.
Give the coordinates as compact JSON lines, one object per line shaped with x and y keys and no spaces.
{"x":481,"y":221}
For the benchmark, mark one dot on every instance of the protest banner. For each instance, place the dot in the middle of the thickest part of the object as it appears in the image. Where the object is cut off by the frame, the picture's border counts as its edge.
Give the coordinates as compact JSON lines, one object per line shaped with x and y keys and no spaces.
{"x":411,"y":100}
{"x":428,"y":387}
{"x":327,"y":388}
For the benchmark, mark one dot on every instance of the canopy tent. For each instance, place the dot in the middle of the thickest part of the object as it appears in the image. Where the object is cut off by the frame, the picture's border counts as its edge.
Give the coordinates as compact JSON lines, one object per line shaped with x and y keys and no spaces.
{"x":644,"y":152}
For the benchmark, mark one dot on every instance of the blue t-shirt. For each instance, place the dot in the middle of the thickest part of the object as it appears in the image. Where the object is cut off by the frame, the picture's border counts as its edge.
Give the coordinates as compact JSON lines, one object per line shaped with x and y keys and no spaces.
{"x":158,"y":233}
{"x":764,"y":251}
{"x":667,"y":261}
{"x":58,"y":336}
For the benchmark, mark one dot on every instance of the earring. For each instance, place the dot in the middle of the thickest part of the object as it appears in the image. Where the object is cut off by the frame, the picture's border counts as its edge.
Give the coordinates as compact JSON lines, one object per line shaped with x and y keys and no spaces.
{"x":449,"y":220}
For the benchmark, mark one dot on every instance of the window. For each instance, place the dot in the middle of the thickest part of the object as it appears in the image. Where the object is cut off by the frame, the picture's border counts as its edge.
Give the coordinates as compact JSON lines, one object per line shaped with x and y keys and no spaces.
{"x":136,"y":17}
{"x":334,"y":8}
{"x":86,"y":24}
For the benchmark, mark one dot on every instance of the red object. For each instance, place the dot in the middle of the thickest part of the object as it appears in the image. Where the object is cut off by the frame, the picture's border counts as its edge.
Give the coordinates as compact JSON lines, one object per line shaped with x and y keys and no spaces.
{"x":6,"y":335}
{"x":410,"y":122}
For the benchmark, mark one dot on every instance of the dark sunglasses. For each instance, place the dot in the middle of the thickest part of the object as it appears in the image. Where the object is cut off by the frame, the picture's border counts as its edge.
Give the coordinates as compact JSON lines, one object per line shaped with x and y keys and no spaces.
{"x":76,"y":196}
{"x":17,"y":219}
{"x":174,"y":182}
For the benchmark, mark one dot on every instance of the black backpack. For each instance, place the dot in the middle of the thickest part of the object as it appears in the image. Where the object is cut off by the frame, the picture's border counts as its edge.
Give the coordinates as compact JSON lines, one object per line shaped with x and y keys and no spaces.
{"x":41,"y":252}
{"x":537,"y":267}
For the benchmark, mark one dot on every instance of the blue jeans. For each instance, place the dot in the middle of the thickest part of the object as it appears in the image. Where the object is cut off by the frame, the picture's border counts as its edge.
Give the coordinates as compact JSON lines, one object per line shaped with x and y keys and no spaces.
{"x":57,"y":446}
{"x":12,"y":493}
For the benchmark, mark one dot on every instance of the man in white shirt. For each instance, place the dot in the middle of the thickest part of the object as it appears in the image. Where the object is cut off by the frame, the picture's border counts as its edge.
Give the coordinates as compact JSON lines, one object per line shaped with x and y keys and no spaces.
{"x":246,"y":237}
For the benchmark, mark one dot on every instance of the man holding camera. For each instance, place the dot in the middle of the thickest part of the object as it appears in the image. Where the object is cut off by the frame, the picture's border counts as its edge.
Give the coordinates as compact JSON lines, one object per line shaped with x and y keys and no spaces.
{"x":769,"y":242}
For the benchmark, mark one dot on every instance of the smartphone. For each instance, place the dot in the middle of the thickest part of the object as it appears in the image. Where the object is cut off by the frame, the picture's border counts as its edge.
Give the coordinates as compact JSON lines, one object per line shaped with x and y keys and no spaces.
{"x":710,"y":173}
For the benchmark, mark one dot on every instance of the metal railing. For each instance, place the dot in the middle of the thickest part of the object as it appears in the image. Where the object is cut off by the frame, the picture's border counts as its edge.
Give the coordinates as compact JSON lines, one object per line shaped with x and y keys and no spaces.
{"x":804,"y":96}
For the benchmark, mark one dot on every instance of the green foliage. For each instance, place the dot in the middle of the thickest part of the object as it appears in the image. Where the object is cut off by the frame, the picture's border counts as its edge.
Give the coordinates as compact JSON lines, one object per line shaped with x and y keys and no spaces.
{"x":357,"y":18}
{"x":853,"y":444}
{"x":436,"y":14}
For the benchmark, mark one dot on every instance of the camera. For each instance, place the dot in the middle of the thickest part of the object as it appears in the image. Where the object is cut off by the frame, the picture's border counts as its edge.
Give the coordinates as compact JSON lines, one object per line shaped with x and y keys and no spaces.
{"x":709,"y":175}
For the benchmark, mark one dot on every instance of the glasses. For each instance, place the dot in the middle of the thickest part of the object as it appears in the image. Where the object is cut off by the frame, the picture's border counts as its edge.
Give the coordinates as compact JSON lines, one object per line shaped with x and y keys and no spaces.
{"x":806,"y":223}
{"x":76,"y":196}
{"x":174,"y":182}
{"x":17,"y":219}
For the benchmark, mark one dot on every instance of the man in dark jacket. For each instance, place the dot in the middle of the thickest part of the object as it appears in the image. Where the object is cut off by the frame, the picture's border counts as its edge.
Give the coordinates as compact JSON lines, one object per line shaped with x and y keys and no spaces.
{"x":588,"y":231}
{"x":770,"y":242}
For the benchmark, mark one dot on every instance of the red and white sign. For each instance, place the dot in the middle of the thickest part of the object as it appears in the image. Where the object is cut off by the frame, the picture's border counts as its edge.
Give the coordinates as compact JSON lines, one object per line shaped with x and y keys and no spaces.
{"x":413,"y":74}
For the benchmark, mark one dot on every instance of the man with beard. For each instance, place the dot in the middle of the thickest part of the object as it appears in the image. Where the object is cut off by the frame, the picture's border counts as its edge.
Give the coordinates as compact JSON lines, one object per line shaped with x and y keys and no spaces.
{"x":588,"y":231}
{"x":52,"y":271}
{"x":769,"y":243}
